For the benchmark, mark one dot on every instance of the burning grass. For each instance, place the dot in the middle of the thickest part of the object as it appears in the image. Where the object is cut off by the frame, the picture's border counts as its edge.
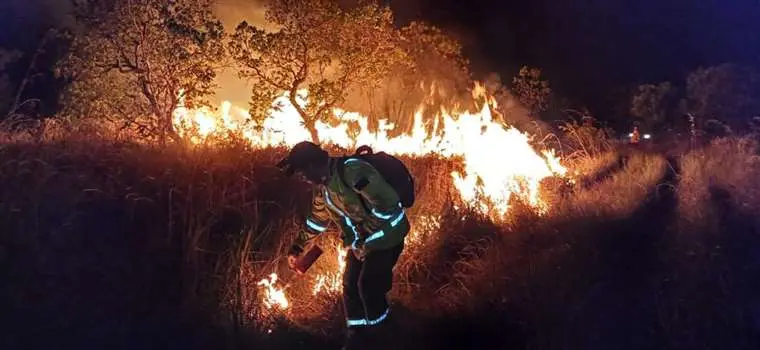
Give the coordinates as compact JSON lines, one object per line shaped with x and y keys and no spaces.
{"x":219,"y":218}
{"x":122,"y":236}
{"x":497,"y":260}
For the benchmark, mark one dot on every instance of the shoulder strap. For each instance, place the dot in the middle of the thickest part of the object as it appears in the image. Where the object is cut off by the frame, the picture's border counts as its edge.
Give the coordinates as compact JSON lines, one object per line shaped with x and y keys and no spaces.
{"x":341,"y":169}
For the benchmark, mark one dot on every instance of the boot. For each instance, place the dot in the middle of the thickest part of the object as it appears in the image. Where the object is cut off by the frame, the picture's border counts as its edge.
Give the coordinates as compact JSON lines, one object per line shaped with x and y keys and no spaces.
{"x":355,"y":339}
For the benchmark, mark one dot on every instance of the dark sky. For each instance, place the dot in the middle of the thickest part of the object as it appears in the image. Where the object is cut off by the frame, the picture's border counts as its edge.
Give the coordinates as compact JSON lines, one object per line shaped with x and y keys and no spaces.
{"x":588,"y":49}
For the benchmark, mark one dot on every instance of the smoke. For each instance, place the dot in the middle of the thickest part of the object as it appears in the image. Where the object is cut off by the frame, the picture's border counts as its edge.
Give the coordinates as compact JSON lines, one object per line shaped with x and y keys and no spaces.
{"x":231,"y":13}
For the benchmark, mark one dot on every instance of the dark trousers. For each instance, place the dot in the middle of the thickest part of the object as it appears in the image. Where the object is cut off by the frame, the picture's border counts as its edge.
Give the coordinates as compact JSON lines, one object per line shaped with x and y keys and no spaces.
{"x":365,"y":285}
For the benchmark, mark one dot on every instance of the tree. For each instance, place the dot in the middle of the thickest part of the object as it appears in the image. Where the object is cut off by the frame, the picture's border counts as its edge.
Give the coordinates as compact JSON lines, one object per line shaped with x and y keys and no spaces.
{"x":319,"y":47}
{"x":532,"y":92}
{"x":7,"y":57}
{"x":726,"y":92}
{"x":433,"y":75}
{"x":653,"y":104}
{"x":137,"y":60}
{"x":436,"y":59}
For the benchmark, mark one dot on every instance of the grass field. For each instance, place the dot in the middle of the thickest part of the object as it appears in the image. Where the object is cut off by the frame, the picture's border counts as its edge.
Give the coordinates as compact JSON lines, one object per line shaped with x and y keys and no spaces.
{"x":115,"y":245}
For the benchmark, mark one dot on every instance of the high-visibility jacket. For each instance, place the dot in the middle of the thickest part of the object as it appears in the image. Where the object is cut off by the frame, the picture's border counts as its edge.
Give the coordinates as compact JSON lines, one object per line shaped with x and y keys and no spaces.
{"x":362,"y":204}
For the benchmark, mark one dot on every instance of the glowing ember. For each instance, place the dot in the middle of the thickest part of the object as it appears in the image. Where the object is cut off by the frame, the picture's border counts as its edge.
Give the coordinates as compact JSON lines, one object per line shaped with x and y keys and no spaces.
{"x":423,"y":227}
{"x":499,"y":160}
{"x":274,"y":297}
{"x":332,"y":282}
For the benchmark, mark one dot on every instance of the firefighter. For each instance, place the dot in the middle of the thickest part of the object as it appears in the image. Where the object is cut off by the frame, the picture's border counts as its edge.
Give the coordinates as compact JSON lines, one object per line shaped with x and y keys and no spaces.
{"x":635,"y":136}
{"x":373,"y":224}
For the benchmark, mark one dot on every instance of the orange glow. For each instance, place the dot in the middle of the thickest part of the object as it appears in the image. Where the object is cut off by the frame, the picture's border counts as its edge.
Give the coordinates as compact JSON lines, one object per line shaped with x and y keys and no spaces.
{"x":499,"y":161}
{"x":332,"y":282}
{"x":274,"y":296}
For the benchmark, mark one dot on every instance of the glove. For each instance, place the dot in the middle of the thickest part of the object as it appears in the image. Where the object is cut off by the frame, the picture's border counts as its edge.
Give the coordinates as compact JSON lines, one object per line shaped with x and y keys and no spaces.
{"x":360,"y":253}
{"x":293,"y":253}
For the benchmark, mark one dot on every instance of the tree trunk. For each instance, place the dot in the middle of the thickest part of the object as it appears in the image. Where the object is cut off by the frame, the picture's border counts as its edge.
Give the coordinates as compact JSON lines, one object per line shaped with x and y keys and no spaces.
{"x":308,"y":122}
{"x":28,"y":75}
{"x":311,"y":126}
{"x":169,"y":130}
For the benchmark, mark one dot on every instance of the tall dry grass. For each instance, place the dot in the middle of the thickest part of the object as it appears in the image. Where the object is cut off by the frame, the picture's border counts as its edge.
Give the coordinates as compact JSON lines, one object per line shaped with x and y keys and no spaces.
{"x":619,"y":194}
{"x":730,"y":165}
{"x":487,"y":264}
{"x":193,"y":227}
{"x":713,"y":257}
{"x":158,"y":231}
{"x":107,"y":242}
{"x":587,"y":169}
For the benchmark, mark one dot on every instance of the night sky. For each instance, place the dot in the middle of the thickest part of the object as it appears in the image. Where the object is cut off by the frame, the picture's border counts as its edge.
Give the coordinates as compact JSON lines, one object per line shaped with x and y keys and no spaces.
{"x":588,"y":49}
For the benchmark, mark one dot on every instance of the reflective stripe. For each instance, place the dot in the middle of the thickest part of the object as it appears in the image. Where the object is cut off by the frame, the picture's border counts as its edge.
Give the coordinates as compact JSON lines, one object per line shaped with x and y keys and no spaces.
{"x":397,"y":219}
{"x":381,"y":216}
{"x":315,"y":226}
{"x":345,"y":217}
{"x":388,"y":216}
{"x":330,"y":203}
{"x":380,"y":234}
{"x":379,"y":319}
{"x":365,"y":322}
{"x":375,"y":236}
{"x":353,"y":228}
{"x":354,"y":323}
{"x":351,"y":160}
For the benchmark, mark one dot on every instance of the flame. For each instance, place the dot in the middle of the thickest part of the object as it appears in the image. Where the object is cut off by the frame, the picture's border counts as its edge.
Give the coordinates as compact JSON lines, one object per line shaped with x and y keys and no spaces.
{"x":424,"y":226}
{"x":332,"y":283}
{"x":499,"y":160}
{"x":274,"y":296}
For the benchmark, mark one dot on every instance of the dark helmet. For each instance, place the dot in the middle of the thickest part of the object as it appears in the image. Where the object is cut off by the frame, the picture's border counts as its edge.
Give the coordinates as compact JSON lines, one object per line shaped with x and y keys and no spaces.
{"x":301,"y":156}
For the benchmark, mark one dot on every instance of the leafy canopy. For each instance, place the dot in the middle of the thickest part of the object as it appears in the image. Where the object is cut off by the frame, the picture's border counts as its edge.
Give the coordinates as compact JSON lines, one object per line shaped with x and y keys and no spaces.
{"x":320,"y":47}
{"x":531,"y":90}
{"x":653,"y":104}
{"x":137,"y":60}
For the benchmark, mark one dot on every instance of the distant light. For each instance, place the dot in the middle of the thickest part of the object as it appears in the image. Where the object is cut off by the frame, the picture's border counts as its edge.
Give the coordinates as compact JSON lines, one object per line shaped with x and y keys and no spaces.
{"x":630,"y":135}
{"x":647,"y":136}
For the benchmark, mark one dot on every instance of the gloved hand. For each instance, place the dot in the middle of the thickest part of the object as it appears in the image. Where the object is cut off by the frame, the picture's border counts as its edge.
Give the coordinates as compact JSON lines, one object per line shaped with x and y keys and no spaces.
{"x":360,"y":253}
{"x":293,"y":254}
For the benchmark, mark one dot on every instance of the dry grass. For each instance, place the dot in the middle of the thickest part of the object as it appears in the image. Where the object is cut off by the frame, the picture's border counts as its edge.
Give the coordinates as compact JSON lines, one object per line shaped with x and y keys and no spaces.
{"x":488,"y":267}
{"x":621,"y":193}
{"x":589,"y":167}
{"x":727,"y":164}
{"x":713,"y":255}
{"x":178,"y":238}
{"x":191,"y":217}
{"x":221,"y":216}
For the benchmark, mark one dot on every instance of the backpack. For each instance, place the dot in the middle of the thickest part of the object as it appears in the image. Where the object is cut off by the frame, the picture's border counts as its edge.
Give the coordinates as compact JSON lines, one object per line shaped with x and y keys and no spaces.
{"x":392,"y":170}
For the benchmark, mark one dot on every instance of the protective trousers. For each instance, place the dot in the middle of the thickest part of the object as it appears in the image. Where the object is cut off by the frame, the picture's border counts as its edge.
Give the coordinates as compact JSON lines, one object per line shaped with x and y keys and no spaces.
{"x":365,"y":285}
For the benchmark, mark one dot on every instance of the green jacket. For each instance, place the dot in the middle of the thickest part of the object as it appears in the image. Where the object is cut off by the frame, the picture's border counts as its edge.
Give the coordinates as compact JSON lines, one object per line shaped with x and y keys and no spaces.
{"x":368,"y":213}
